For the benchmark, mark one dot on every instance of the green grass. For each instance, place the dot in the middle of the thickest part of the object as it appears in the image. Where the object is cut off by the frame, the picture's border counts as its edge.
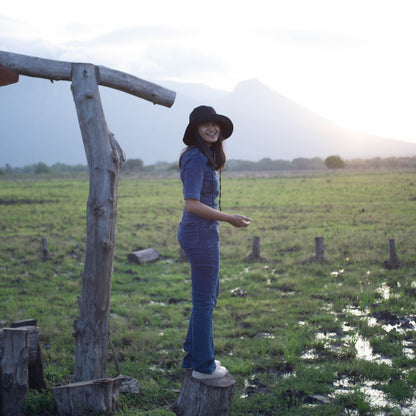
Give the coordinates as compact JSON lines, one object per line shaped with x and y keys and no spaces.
{"x":285,"y":326}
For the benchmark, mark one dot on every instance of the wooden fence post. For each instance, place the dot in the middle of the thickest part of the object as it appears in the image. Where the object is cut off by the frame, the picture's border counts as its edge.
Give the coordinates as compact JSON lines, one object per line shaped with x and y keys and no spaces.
{"x":105,"y":157}
{"x":211,"y":397}
{"x":319,"y":248}
{"x":392,"y":250}
{"x":256,"y":247}
{"x":45,"y":249}
{"x":393,"y":262}
{"x":182,"y":255}
{"x":255,"y":253}
{"x":14,"y":376}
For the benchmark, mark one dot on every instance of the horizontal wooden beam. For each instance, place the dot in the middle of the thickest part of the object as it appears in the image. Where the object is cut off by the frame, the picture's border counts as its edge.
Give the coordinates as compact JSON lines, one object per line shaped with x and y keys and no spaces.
{"x":62,"y":71}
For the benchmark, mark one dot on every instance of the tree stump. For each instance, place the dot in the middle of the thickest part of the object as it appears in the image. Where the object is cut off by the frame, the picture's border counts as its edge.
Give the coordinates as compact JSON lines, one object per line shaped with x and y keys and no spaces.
{"x":143,"y":256}
{"x":14,"y":377}
{"x":212,"y":397}
{"x":36,"y":374}
{"x":96,"y":396}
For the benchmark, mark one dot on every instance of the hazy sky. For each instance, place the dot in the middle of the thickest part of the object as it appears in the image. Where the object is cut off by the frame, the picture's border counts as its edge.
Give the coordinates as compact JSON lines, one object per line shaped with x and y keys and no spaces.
{"x":351,"y":61}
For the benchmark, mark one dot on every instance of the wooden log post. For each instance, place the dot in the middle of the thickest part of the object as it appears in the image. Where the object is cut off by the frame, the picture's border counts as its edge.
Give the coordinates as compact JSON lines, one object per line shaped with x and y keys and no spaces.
{"x":14,"y":376}
{"x":35,"y":366}
{"x":45,"y":249}
{"x":36,"y":374}
{"x":105,"y":157}
{"x":392,"y":251}
{"x":256,"y":248}
{"x":255,"y":253}
{"x":182,"y":255}
{"x":87,"y":397}
{"x":319,"y":248}
{"x":393,"y":262}
{"x":212,"y":397}
{"x":148,"y":255}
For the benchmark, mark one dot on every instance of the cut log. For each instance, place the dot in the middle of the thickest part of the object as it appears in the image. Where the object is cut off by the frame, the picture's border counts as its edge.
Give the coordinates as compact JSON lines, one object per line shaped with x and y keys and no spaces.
{"x":36,"y":374}
{"x":14,"y":377}
{"x":212,"y":397}
{"x":143,"y":256}
{"x":95,"y":396}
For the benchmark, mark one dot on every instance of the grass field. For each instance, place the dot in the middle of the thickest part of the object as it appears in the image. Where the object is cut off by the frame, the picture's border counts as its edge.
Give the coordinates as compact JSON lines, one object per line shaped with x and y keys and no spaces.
{"x":300,"y":337}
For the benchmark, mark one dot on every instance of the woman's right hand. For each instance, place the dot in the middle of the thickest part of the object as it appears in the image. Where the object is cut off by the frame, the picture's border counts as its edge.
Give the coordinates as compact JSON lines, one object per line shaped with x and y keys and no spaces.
{"x":239,"y":221}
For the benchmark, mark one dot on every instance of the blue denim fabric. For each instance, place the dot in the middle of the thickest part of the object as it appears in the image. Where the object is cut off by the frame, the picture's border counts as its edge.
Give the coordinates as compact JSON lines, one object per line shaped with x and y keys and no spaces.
{"x":199,"y":179}
{"x":201,"y":244}
{"x":199,"y":239}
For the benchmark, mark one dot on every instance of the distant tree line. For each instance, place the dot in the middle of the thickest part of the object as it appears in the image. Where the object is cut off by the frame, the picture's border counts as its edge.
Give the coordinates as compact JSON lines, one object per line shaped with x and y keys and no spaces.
{"x":43,"y":168}
{"x":132,"y":166}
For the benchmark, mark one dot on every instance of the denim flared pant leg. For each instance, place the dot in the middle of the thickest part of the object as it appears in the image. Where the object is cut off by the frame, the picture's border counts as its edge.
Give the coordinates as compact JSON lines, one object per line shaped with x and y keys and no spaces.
{"x":201,"y":244}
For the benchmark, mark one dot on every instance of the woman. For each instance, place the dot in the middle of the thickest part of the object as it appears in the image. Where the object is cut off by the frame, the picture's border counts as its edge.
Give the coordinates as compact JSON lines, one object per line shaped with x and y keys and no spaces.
{"x":198,"y":232}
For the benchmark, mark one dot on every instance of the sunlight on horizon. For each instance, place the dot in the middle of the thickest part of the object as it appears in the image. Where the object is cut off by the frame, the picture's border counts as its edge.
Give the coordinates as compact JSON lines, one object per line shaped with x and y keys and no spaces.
{"x":350,"y":62}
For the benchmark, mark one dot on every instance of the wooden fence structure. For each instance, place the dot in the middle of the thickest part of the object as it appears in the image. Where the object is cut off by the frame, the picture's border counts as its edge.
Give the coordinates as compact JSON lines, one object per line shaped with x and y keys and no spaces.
{"x":105,"y":158}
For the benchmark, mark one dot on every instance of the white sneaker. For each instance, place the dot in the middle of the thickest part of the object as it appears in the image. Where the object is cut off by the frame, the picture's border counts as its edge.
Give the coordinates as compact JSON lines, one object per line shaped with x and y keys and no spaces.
{"x":217,"y":363}
{"x":218,"y":373}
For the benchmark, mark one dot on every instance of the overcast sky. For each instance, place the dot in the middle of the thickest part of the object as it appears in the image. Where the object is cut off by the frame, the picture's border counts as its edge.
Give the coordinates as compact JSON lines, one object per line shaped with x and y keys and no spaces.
{"x":351,"y":61}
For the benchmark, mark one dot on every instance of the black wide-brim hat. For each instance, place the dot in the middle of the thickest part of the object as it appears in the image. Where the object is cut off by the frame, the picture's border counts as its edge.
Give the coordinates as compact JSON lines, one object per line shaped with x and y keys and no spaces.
{"x":202,"y":114}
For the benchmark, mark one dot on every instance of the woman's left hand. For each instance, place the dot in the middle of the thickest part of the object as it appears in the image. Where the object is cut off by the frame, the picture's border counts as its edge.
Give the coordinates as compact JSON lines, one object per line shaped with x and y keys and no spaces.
{"x":239,"y":221}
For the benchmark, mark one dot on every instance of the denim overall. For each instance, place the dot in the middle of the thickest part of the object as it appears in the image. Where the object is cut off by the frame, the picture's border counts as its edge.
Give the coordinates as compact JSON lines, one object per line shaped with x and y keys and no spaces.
{"x":199,"y":239}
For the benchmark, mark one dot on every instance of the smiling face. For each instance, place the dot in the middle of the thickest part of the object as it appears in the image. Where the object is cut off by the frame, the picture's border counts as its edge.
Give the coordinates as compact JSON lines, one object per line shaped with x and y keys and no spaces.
{"x":209,"y":131}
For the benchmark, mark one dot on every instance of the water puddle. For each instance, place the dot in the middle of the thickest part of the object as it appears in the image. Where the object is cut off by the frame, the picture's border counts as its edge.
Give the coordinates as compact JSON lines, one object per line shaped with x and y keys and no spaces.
{"x":349,"y":337}
{"x":365,"y":352}
{"x":408,"y":349}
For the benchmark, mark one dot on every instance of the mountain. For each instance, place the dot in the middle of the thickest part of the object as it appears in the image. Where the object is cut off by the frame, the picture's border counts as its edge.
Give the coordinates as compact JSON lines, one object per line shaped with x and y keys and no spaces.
{"x":38,"y":122}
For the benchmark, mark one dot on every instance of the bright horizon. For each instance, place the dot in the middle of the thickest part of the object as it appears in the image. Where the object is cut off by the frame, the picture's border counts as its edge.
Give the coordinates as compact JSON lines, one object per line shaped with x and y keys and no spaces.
{"x":350,"y":61}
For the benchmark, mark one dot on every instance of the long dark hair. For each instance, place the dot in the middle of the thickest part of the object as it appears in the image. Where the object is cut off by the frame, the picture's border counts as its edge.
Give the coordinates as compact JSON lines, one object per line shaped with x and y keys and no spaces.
{"x":215,"y":154}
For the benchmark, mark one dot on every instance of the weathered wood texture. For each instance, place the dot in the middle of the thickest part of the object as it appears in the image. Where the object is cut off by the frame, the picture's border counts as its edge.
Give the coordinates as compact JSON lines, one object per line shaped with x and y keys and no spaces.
{"x":87,"y":397}
{"x":14,"y":376}
{"x":182,"y":255}
{"x":105,"y":157}
{"x":45,"y":249}
{"x":319,"y":248}
{"x":205,"y":397}
{"x":392,"y":250}
{"x":59,"y":70}
{"x":256,"y":248}
{"x":143,"y":256}
{"x":36,"y":374}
